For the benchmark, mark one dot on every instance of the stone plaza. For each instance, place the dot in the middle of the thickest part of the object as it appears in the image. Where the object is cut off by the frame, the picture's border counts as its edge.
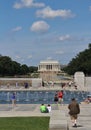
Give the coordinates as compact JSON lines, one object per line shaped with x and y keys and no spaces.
{"x":59,"y":117}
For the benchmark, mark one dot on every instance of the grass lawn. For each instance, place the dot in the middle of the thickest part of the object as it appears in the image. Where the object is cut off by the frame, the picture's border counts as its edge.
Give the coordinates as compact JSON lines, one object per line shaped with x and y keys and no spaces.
{"x":24,"y":123}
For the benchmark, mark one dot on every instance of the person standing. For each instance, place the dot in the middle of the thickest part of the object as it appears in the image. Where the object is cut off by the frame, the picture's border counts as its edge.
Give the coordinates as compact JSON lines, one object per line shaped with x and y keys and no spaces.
{"x":56,"y":98}
{"x":74,"y":110}
{"x":8,"y":85}
{"x":26,"y":85}
{"x":16,"y":84}
{"x":13,"y":99}
{"x":60,"y":96}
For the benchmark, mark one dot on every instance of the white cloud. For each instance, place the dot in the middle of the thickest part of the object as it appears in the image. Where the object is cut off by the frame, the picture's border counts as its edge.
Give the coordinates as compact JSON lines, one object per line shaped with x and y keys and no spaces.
{"x":49,"y":13}
{"x":27,"y":4}
{"x":90,"y":8}
{"x":65,"y":37}
{"x":17,"y":57}
{"x":39,"y":26}
{"x":17,"y":29}
{"x":17,"y":6}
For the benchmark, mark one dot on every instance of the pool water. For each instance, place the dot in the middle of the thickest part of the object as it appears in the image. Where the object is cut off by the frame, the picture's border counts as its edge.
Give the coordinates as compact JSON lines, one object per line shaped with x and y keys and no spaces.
{"x":39,"y":97}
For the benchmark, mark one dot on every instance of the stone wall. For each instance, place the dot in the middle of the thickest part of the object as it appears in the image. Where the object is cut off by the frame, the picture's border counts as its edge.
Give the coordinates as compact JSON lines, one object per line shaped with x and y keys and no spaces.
{"x":33,"y":82}
{"x":88,"y":81}
{"x":81,"y":80}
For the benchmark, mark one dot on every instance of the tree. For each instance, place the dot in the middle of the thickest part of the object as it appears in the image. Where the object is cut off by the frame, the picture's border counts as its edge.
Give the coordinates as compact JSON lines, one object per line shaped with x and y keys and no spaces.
{"x":5,"y":65}
{"x":16,"y":68}
{"x":8,"y":67}
{"x":33,"y":69}
{"x":82,"y":62}
{"x":89,"y":45}
{"x":24,"y":69}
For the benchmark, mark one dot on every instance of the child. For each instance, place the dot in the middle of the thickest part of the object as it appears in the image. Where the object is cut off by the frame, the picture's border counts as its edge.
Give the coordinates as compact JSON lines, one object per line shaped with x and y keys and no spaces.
{"x":49,"y":108}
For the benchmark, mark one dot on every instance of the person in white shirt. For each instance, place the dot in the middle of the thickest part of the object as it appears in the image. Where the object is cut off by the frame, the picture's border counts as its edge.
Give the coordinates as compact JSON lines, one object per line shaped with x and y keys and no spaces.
{"x":49,"y":108}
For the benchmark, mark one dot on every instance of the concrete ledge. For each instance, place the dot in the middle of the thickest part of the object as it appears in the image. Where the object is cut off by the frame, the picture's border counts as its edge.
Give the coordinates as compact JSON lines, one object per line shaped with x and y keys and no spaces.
{"x":58,"y":121}
{"x":58,"y":125}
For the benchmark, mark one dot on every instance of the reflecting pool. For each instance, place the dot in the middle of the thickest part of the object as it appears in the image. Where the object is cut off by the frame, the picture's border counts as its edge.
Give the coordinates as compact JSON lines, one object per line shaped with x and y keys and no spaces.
{"x":38,"y":97}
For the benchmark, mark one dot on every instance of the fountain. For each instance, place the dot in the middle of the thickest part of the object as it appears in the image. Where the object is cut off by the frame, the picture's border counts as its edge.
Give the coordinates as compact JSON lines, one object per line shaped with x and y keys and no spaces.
{"x":27,"y":96}
{"x":8,"y":96}
{"x":38,"y":97}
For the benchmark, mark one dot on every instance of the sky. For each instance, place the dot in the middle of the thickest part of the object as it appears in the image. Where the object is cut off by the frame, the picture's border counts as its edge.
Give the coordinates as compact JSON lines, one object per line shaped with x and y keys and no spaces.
{"x":36,"y":30}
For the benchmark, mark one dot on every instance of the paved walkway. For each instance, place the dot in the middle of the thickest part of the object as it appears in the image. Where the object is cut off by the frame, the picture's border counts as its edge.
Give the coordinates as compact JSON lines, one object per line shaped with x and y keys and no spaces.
{"x":84,"y":120}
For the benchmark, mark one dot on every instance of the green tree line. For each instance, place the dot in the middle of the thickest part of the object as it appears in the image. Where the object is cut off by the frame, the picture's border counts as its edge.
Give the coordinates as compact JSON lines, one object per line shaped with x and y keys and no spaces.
{"x":82,"y":62}
{"x":8,"y":67}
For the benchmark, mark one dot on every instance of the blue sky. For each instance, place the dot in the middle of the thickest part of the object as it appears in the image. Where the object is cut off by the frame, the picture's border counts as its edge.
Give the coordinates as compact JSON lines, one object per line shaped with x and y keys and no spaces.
{"x":35,"y":30}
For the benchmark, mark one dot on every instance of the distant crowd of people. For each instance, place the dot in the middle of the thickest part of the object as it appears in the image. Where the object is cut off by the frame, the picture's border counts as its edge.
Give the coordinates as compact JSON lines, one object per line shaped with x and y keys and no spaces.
{"x":26,"y":85}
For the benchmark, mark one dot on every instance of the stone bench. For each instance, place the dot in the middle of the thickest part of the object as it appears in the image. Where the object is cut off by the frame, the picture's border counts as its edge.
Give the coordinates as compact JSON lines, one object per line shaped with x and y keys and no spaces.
{"x":58,"y":120}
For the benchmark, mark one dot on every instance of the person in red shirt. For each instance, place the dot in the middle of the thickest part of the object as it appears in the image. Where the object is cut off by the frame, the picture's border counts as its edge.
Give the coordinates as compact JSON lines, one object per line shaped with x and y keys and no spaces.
{"x":60,"y":96}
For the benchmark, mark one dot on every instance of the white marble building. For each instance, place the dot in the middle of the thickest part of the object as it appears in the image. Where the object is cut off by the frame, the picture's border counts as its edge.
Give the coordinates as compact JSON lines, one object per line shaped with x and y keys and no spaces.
{"x":49,"y":69}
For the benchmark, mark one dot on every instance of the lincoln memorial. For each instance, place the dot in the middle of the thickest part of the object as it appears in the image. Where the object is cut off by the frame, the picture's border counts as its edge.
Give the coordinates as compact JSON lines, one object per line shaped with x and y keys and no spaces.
{"x":48,"y":70}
